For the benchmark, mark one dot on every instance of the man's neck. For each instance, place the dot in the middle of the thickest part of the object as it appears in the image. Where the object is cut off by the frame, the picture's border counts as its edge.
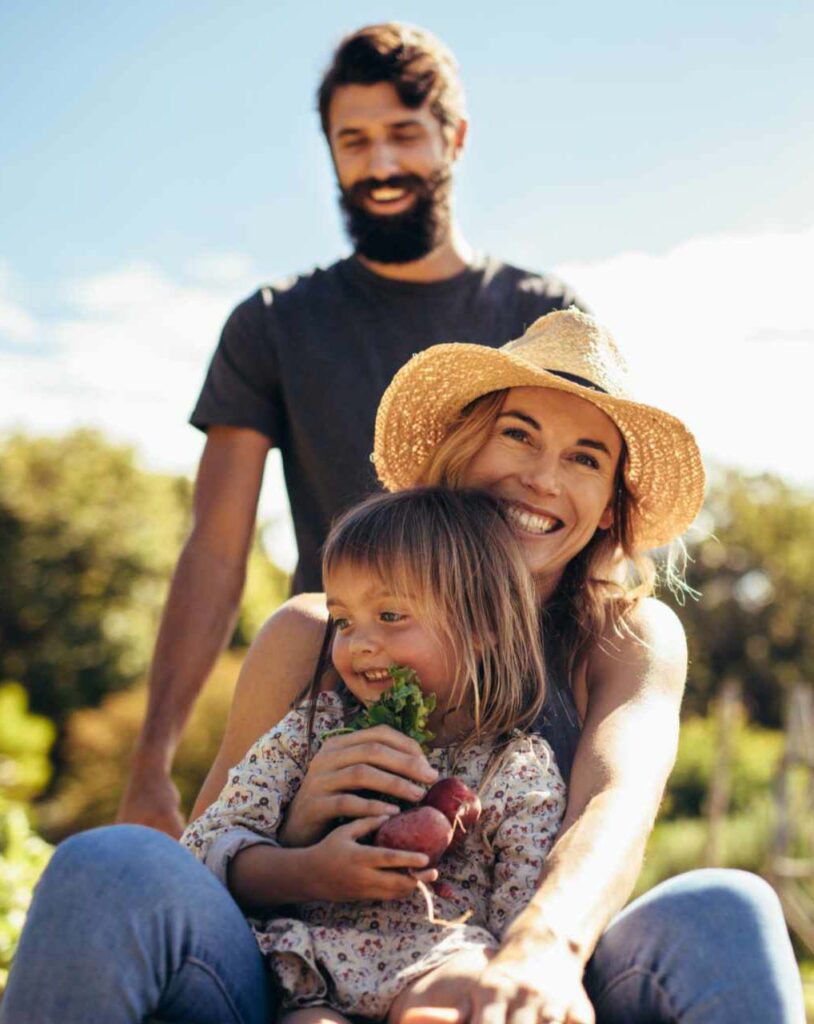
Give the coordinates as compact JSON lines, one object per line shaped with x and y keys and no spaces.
{"x":452,"y":256}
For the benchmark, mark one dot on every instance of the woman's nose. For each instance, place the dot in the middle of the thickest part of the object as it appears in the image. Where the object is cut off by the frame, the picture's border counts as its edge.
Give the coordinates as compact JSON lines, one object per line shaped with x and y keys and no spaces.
{"x":542,"y":475}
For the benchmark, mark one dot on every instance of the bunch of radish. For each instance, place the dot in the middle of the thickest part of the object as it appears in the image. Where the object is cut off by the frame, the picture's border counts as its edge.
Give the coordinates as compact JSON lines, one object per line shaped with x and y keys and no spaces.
{"x":449,"y":809}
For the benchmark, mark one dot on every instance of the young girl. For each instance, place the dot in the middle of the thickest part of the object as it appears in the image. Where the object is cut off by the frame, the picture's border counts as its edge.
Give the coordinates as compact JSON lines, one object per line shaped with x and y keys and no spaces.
{"x":434,"y":580}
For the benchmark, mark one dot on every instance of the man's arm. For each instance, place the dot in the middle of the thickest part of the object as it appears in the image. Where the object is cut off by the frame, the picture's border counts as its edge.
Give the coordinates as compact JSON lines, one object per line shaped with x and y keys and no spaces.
{"x":198,"y":617}
{"x":277,"y":667}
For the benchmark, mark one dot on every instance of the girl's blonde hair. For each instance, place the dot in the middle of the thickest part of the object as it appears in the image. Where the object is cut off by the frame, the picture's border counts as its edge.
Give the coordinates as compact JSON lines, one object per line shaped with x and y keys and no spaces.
{"x":600,"y":585}
{"x":455,"y":556}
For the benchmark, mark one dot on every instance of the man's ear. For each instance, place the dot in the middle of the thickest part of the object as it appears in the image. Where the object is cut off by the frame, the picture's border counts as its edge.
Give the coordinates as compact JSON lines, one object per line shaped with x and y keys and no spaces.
{"x":458,"y":137}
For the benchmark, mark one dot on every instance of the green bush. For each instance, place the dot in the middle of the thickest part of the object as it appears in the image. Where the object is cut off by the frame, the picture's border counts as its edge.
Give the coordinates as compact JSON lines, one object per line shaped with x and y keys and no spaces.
{"x":25,"y":741}
{"x":97,"y":747}
{"x":23,"y":856}
{"x":755,"y":755}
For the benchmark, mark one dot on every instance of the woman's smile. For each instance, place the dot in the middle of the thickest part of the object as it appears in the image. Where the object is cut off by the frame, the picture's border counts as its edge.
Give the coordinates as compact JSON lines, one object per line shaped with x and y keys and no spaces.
{"x":551,"y":459}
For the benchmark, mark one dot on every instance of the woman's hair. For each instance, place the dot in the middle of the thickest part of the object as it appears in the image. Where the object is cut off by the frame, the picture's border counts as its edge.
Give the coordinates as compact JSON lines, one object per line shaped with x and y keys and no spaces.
{"x":456,"y":557}
{"x":600,"y":585}
{"x":413,"y":61}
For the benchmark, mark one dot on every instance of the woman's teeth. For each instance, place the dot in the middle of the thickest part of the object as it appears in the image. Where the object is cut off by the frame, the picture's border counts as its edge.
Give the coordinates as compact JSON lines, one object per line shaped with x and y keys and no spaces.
{"x":531,"y":522}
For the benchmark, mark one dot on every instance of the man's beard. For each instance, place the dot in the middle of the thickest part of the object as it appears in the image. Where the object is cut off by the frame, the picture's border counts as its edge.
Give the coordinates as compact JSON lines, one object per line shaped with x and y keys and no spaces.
{"x":398,"y":237}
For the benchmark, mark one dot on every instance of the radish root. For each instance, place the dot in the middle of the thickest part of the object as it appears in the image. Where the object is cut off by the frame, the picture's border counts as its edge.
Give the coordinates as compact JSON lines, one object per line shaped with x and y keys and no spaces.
{"x":456,"y":922}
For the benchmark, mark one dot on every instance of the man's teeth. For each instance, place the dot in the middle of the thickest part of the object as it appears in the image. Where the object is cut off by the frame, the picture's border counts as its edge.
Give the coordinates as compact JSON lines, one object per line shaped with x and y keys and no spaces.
{"x":376,"y":675}
{"x":530,"y":521}
{"x":388,"y":195}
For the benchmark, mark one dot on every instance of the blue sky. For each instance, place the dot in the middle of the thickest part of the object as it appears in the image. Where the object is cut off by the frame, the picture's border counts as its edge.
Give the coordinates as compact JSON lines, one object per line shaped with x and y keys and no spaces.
{"x":159,"y":160}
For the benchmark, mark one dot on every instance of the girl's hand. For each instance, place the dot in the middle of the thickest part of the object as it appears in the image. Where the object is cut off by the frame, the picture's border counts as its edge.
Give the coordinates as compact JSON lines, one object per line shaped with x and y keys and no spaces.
{"x":342,"y":869}
{"x":379,"y":759}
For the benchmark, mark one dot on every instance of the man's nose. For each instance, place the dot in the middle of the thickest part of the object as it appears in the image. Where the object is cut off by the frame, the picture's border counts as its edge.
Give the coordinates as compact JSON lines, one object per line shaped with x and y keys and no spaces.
{"x":382,"y":161}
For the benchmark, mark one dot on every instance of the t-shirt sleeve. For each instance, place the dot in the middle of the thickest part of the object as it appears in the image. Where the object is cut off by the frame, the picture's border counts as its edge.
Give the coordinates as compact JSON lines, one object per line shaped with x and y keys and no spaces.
{"x":549,"y":292}
{"x":242,"y":387}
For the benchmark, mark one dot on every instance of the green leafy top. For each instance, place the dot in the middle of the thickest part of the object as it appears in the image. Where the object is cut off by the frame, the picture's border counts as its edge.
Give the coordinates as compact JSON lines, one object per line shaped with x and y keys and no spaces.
{"x":403,"y":707}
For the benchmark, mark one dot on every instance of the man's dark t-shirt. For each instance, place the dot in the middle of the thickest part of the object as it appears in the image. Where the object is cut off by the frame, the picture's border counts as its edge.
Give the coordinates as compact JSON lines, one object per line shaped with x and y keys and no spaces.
{"x":306,"y":363}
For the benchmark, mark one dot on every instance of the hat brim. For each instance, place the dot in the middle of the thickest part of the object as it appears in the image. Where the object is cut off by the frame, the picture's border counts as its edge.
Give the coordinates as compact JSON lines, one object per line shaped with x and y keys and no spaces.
{"x":663,"y":470}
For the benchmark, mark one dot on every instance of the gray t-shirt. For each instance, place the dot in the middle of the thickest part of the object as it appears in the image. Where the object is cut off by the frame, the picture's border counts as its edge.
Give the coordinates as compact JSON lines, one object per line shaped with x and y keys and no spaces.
{"x":306,"y":362}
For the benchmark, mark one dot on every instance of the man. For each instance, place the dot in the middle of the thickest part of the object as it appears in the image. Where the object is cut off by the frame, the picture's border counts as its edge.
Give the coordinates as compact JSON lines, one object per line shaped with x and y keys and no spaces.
{"x":302,"y":365}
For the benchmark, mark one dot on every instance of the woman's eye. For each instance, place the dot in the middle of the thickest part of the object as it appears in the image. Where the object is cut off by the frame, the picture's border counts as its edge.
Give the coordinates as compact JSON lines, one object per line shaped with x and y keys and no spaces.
{"x":392,"y":616}
{"x":516,"y":434}
{"x":584,"y":459}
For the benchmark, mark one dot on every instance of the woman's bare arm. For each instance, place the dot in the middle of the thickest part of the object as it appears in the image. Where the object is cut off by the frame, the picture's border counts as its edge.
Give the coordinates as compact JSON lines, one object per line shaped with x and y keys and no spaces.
{"x":624,"y":757}
{"x":279,"y":663}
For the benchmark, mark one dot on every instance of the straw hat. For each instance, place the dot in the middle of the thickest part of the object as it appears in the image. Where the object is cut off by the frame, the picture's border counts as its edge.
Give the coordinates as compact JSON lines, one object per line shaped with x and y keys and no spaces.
{"x":566,"y":350}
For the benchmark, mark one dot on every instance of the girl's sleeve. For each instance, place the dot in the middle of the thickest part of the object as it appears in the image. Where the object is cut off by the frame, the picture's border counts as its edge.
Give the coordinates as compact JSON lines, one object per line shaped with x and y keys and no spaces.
{"x":251,"y":805}
{"x":532,"y":791}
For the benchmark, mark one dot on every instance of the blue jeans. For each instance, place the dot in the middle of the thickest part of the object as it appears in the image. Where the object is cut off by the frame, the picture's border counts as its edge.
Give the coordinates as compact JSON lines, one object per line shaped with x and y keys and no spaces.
{"x":127,"y":926}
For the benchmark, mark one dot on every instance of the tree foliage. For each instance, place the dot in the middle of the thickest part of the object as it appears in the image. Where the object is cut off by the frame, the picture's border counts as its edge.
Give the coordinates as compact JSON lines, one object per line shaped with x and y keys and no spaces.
{"x":88,"y":542}
{"x":25,"y":741}
{"x":754,"y":568}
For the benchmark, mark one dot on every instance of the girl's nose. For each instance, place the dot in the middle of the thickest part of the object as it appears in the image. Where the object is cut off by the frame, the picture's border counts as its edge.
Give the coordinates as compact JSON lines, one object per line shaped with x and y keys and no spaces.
{"x":363,"y":642}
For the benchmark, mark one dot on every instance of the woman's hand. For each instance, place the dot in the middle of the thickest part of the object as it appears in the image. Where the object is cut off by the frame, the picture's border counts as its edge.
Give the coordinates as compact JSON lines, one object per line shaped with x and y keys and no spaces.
{"x":535,"y":977}
{"x":343,"y":869}
{"x":379,"y":759}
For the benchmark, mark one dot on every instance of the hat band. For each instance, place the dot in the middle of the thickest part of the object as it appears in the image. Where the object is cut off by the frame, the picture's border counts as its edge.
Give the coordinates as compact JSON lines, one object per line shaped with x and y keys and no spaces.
{"x":582,"y":381}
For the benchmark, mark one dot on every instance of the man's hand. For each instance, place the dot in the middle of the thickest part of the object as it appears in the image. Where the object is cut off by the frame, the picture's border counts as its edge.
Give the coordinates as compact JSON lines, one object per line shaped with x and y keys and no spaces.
{"x":151,"y":798}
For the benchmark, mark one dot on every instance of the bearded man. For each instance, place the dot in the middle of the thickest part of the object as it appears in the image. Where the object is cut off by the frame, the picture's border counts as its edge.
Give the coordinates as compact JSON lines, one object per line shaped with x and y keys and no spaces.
{"x":301,"y":365}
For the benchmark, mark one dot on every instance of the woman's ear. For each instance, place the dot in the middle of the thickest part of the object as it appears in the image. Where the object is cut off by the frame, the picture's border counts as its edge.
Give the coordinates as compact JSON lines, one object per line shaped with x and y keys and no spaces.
{"x":606,"y":519}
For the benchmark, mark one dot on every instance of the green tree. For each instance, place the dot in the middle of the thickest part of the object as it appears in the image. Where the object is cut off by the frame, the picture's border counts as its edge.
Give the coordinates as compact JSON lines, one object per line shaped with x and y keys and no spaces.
{"x":754,"y":569}
{"x":88,"y":541}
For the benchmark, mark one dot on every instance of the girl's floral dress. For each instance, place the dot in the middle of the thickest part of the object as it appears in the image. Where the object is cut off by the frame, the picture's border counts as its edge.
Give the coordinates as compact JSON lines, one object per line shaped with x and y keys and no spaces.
{"x":357,"y":957}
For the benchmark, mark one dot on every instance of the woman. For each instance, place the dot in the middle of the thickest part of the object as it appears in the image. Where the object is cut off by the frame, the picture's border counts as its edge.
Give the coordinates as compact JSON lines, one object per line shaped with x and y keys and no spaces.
{"x":590,"y":479}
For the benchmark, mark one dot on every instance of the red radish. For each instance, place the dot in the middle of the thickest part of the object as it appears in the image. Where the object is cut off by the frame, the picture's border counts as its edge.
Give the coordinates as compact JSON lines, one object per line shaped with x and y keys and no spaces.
{"x":456,"y":801}
{"x":421,"y":830}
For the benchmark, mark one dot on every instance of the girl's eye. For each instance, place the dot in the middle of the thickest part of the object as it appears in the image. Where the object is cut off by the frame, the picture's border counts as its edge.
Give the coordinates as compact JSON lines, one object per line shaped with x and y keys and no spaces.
{"x":392,"y":616}
{"x":584,"y":459}
{"x":341,"y":624}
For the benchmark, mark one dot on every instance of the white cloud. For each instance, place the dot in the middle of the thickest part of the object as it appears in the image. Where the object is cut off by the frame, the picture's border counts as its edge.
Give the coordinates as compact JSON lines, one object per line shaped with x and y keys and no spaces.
{"x":719,"y":330}
{"x":16,"y":324}
{"x":129,"y":356}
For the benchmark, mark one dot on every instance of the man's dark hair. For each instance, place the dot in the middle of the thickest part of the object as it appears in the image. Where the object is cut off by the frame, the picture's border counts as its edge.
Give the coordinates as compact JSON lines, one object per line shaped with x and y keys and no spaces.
{"x":418,"y":65}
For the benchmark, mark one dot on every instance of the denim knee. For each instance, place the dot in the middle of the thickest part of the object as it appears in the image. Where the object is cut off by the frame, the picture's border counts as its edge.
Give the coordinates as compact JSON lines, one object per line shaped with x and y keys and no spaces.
{"x":742,"y":901}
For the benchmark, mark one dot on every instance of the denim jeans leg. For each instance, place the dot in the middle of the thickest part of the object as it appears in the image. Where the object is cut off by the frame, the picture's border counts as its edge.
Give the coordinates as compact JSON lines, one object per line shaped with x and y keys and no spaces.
{"x":706,"y":947}
{"x":126,"y":925}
